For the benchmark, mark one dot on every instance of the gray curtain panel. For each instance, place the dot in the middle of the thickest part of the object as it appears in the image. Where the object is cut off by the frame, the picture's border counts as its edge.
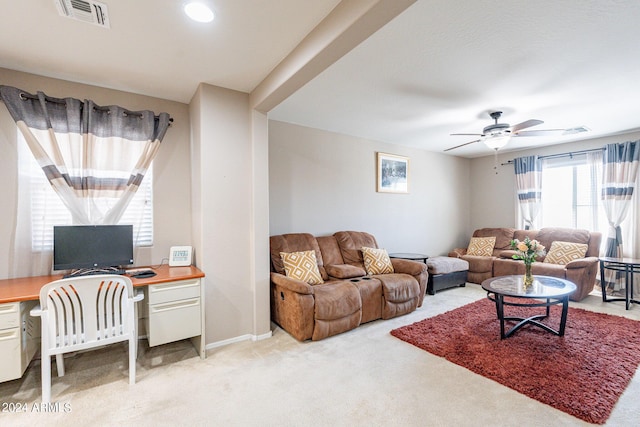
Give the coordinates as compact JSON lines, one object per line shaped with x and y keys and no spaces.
{"x":619,"y":177}
{"x":88,"y":151}
{"x":528,"y":171}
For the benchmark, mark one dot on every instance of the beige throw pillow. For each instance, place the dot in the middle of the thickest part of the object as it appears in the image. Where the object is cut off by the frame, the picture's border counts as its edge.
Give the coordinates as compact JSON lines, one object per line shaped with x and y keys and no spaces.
{"x":376,"y":261}
{"x":564,"y":252}
{"x":302,"y":266}
{"x":481,"y":246}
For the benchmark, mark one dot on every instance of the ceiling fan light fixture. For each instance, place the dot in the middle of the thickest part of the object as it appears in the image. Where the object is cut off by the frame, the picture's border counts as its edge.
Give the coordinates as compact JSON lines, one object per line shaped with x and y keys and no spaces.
{"x":496,"y":141}
{"x":198,"y":11}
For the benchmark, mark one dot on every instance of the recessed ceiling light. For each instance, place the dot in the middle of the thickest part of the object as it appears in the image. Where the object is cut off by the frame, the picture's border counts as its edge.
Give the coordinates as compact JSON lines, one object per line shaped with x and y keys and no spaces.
{"x":198,"y":12}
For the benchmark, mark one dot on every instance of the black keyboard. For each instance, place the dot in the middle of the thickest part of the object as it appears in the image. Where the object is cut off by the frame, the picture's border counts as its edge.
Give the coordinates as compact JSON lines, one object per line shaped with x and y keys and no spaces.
{"x":141,"y":273}
{"x":118,"y":271}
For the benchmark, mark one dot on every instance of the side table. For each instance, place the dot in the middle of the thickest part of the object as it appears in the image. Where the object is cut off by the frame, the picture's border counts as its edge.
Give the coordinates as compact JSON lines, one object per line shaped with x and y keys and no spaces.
{"x":629,"y":266}
{"x":410,"y":256}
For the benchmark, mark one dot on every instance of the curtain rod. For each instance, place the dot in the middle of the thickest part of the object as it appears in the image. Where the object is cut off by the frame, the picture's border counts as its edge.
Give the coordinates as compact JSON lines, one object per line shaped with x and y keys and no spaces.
{"x":25,"y":95}
{"x":553,"y":156}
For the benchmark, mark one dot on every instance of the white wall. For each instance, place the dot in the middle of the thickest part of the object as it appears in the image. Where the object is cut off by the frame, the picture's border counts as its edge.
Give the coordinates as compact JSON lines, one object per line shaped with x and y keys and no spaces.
{"x":493,"y":196}
{"x":172,"y":212}
{"x":260,"y":279}
{"x":321,"y":182}
{"x":226,"y":220}
{"x":224,"y":224}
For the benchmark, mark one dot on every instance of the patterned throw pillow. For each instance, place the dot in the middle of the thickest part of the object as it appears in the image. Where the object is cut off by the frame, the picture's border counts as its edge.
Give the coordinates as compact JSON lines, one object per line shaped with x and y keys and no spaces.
{"x":564,"y":252}
{"x":376,"y":261}
{"x":481,"y":246}
{"x":302,"y":266}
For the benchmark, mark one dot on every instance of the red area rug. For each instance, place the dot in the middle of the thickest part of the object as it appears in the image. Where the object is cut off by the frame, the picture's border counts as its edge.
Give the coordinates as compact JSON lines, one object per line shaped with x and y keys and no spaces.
{"x":583,"y":373}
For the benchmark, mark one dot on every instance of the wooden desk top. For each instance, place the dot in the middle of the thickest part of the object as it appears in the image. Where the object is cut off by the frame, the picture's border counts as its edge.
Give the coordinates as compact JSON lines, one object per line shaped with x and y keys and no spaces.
{"x":28,"y":288}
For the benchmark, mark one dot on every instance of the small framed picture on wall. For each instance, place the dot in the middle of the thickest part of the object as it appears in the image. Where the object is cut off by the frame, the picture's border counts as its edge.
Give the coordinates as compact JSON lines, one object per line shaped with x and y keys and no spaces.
{"x":393,"y":173}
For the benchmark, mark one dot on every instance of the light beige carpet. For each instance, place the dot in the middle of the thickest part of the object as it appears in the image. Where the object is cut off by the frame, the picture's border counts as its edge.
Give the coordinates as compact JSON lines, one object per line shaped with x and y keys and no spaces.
{"x":365,"y":377}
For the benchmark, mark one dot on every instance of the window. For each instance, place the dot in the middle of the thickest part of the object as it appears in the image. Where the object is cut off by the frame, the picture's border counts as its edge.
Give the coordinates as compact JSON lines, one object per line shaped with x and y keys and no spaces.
{"x":570,"y":192}
{"x":46,"y":208}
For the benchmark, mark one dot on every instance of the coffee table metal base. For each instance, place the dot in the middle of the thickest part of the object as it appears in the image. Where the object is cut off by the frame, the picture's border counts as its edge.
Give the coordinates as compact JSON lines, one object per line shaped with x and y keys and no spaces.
{"x":532,"y":320}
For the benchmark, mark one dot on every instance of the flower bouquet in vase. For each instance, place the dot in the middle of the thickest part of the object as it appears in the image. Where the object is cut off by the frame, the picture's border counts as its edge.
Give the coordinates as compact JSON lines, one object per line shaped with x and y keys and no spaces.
{"x":527,"y":250}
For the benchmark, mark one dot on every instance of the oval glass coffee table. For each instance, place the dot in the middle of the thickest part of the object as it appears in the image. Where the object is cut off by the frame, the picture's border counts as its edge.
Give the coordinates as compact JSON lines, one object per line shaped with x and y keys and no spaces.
{"x":544,"y":292}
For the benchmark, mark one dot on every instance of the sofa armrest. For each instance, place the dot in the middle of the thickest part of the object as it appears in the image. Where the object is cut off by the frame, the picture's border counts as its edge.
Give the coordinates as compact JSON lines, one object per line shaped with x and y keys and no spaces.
{"x":406,"y":266}
{"x":344,"y":271}
{"x":582,"y":262}
{"x":294,"y":285}
{"x":509,"y":253}
{"x":457,"y":252}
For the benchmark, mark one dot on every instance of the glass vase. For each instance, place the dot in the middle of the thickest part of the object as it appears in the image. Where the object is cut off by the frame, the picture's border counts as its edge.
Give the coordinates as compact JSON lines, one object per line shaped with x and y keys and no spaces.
{"x":527,"y":280}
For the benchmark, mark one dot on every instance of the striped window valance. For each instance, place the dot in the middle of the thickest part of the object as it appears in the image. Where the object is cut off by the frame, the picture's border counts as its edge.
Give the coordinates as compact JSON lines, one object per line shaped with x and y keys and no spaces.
{"x":88,"y":151}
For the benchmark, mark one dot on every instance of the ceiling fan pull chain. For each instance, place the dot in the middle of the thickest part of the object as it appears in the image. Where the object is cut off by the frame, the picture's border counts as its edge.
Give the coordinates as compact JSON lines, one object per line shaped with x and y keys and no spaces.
{"x":495,"y":160}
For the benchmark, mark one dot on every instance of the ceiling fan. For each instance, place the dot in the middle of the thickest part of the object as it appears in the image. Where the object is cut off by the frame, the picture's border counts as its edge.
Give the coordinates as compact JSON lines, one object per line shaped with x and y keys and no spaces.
{"x":497,"y":135}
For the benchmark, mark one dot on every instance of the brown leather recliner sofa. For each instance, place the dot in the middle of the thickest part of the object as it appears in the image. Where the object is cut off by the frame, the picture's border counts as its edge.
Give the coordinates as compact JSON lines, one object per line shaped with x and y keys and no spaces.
{"x":582,"y":271}
{"x":348,"y":297}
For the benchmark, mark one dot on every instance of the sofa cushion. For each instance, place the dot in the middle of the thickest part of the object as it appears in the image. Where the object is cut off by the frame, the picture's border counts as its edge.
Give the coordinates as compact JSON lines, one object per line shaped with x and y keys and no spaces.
{"x":376,"y":261}
{"x":564,"y":252}
{"x":399,"y":287}
{"x":370,"y":290}
{"x":336,"y":300}
{"x":338,"y":308}
{"x":302,"y":266}
{"x":350,"y":243}
{"x":294,"y":242}
{"x":506,"y":267}
{"x":548,"y":235}
{"x":481,"y":246}
{"x":480,"y":264}
{"x":546,"y":269}
{"x":330,"y":250}
{"x":401,"y":294}
{"x":522,"y":234}
{"x":503,"y":236}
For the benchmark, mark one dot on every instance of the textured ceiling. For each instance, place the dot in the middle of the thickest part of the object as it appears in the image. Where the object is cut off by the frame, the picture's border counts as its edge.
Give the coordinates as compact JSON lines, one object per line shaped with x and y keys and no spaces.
{"x":152,"y":48}
{"x":441,"y":65}
{"x":436,"y":69}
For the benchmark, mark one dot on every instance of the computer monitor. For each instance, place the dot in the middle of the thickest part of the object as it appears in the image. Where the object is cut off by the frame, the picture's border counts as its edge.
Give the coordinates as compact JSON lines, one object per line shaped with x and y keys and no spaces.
{"x":92,"y":246}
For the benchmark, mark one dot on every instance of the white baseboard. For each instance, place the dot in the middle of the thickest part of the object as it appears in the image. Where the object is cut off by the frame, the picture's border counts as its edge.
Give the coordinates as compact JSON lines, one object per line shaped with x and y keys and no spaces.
{"x":247,"y":337}
{"x":261,"y":337}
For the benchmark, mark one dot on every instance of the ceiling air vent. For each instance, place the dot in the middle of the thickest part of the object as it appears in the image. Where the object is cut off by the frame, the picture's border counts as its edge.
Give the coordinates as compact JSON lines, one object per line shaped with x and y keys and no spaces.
{"x":89,"y":11}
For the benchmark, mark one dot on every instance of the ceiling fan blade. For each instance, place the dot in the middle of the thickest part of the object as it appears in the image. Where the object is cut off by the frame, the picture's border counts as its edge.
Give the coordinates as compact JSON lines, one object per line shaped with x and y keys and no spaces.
{"x":578,"y":129}
{"x":524,"y":125}
{"x":541,"y":132}
{"x":465,"y":134}
{"x":551,"y":132}
{"x":461,"y":145}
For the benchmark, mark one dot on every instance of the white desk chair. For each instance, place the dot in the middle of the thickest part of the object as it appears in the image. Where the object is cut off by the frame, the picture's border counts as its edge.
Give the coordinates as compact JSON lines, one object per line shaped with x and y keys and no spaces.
{"x":84,"y":312}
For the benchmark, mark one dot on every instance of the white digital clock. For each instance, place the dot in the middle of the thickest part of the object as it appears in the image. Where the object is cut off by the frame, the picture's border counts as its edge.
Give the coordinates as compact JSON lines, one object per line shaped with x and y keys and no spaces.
{"x":180,"y":256}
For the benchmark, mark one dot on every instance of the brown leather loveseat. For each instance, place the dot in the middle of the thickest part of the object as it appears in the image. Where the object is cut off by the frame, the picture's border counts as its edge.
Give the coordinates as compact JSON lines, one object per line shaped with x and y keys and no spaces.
{"x":347,"y":296}
{"x":580,"y":271}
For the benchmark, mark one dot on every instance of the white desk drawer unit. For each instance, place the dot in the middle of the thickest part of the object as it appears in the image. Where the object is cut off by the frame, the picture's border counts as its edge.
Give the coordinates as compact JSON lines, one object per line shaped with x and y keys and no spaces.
{"x":9,"y":315}
{"x":174,"y":311}
{"x":19,"y":338}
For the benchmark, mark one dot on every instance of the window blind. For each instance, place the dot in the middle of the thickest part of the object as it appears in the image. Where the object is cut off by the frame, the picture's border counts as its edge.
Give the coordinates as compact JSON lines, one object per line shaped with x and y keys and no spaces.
{"x":47,"y":209}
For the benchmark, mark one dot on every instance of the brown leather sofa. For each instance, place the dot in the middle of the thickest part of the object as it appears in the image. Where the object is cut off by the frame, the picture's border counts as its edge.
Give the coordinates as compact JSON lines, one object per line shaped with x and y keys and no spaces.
{"x":582,"y":272}
{"x":348,"y":297}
